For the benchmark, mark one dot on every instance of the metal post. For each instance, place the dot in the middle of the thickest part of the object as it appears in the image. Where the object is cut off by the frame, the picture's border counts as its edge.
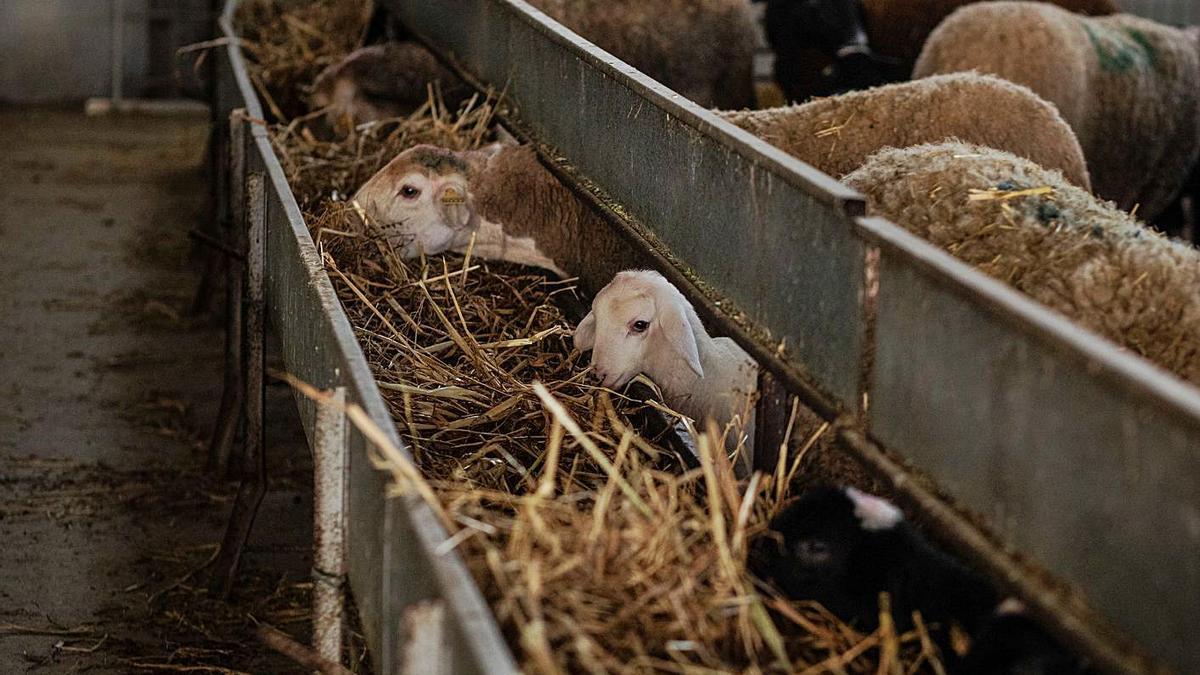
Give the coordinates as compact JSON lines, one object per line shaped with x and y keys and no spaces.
{"x":253,"y":466}
{"x":230,"y":412}
{"x":118,"y":51}
{"x":253,"y":457}
{"x":215,"y":233}
{"x":330,"y":474}
{"x":770,"y":422}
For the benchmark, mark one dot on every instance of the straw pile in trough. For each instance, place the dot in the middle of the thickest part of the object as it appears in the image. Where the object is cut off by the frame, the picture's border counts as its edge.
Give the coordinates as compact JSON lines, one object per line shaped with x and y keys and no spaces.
{"x":593,"y":558}
{"x":596,"y":549}
{"x":290,"y":43}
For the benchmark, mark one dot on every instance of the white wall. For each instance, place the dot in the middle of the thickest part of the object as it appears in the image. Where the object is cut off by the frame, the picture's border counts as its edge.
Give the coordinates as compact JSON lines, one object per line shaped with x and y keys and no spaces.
{"x":61,"y":50}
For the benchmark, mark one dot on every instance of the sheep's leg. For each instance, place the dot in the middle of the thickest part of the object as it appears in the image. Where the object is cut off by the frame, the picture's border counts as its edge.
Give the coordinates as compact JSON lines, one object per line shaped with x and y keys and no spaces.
{"x":254,"y":462}
{"x":1188,"y":204}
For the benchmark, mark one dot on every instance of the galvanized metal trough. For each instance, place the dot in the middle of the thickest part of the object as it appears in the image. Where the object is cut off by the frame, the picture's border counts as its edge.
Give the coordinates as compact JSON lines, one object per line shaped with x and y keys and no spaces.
{"x":1076,"y":456}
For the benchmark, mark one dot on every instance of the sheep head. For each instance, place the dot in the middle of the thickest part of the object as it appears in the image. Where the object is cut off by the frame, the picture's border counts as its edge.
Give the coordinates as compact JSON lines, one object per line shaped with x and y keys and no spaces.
{"x":824,"y":24}
{"x":422,"y":201}
{"x":350,"y":91}
{"x":640,"y":323}
{"x":821,"y":540}
{"x":822,"y":49}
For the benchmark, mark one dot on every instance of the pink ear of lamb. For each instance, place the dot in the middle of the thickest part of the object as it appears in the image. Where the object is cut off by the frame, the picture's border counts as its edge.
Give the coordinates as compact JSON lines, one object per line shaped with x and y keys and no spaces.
{"x":874,"y":513}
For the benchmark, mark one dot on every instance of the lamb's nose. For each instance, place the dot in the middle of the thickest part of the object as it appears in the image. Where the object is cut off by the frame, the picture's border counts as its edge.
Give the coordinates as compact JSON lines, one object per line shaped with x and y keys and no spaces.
{"x":597,"y":375}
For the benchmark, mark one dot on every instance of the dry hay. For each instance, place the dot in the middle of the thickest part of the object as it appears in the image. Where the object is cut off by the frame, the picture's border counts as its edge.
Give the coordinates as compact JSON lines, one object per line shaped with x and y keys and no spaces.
{"x":289,"y":43}
{"x":597,"y":551}
{"x":319,"y":168}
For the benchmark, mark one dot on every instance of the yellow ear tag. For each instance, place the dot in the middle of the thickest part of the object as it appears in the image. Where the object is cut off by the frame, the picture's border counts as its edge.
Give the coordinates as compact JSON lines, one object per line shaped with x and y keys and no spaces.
{"x":452,"y":196}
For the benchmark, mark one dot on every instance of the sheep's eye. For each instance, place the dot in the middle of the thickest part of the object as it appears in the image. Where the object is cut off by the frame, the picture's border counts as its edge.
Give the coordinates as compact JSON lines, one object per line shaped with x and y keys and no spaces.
{"x":640,"y":326}
{"x":813,"y":551}
{"x":409,"y":192}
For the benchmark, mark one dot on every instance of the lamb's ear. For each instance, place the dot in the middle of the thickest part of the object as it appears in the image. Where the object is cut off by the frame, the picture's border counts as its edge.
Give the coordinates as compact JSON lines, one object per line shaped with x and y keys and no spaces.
{"x":504,"y":137}
{"x":585,"y":333}
{"x":491,"y":149}
{"x":874,"y":513}
{"x":479,"y":158}
{"x":677,"y":331}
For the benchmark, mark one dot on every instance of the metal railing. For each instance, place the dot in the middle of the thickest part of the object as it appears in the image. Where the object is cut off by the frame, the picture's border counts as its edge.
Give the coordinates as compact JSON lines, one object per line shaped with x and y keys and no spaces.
{"x":1076,"y":453}
{"x":393,"y":567}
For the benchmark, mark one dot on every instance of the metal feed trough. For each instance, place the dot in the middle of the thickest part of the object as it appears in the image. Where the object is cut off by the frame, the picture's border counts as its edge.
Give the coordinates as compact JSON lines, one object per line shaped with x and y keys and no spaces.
{"x":1076,"y":456}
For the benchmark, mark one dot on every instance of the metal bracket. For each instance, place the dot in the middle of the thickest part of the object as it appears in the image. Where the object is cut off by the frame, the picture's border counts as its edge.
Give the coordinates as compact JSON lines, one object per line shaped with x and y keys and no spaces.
{"x":230,"y":413}
{"x":253,"y":465}
{"x":771,"y":416}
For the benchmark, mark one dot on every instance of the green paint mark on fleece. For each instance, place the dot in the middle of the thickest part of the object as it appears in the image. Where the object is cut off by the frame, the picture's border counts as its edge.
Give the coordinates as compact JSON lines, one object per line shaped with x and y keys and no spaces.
{"x":1122,"y":51}
{"x":1144,"y":42}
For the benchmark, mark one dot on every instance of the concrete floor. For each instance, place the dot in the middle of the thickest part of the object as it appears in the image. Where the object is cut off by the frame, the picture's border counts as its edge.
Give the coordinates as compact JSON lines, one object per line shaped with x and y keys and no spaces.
{"x":107,"y":393}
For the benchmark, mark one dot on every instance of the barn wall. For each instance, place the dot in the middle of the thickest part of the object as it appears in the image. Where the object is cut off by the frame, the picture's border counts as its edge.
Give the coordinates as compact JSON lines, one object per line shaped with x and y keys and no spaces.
{"x":61,"y":50}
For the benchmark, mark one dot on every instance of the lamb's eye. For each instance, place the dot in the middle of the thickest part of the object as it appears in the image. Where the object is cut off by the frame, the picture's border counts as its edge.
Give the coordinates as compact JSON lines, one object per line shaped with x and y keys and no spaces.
{"x":409,"y":192}
{"x":640,"y":326}
{"x":813,"y":551}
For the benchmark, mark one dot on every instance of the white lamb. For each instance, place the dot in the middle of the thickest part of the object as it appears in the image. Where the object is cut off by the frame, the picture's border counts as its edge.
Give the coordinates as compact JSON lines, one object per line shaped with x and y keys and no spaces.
{"x":640,"y":323}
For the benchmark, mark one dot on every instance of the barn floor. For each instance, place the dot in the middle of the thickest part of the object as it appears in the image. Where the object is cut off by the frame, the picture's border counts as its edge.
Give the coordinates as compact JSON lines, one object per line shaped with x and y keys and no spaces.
{"x":108,"y":389}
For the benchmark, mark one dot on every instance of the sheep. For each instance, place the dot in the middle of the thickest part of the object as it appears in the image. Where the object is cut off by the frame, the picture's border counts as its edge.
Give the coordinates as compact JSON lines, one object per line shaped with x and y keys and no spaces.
{"x":1010,"y":643}
{"x":821,"y":48}
{"x":1058,"y":244}
{"x":899,"y":28}
{"x":842,"y":548}
{"x":383,"y":81}
{"x":640,"y":323}
{"x":825,"y":47}
{"x":703,"y":49}
{"x":837,"y":134}
{"x":516,"y":210}
{"x":1129,"y":87}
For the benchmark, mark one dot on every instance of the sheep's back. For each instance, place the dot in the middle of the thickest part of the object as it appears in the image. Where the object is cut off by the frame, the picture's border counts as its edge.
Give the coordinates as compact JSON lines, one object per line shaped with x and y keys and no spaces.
{"x":703,"y":49}
{"x":383,"y":80}
{"x":1145,"y":83}
{"x":521,"y":195}
{"x":1127,"y":86}
{"x":1032,"y":44}
{"x":837,"y":134}
{"x":900,"y":27}
{"x":1078,"y":255}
